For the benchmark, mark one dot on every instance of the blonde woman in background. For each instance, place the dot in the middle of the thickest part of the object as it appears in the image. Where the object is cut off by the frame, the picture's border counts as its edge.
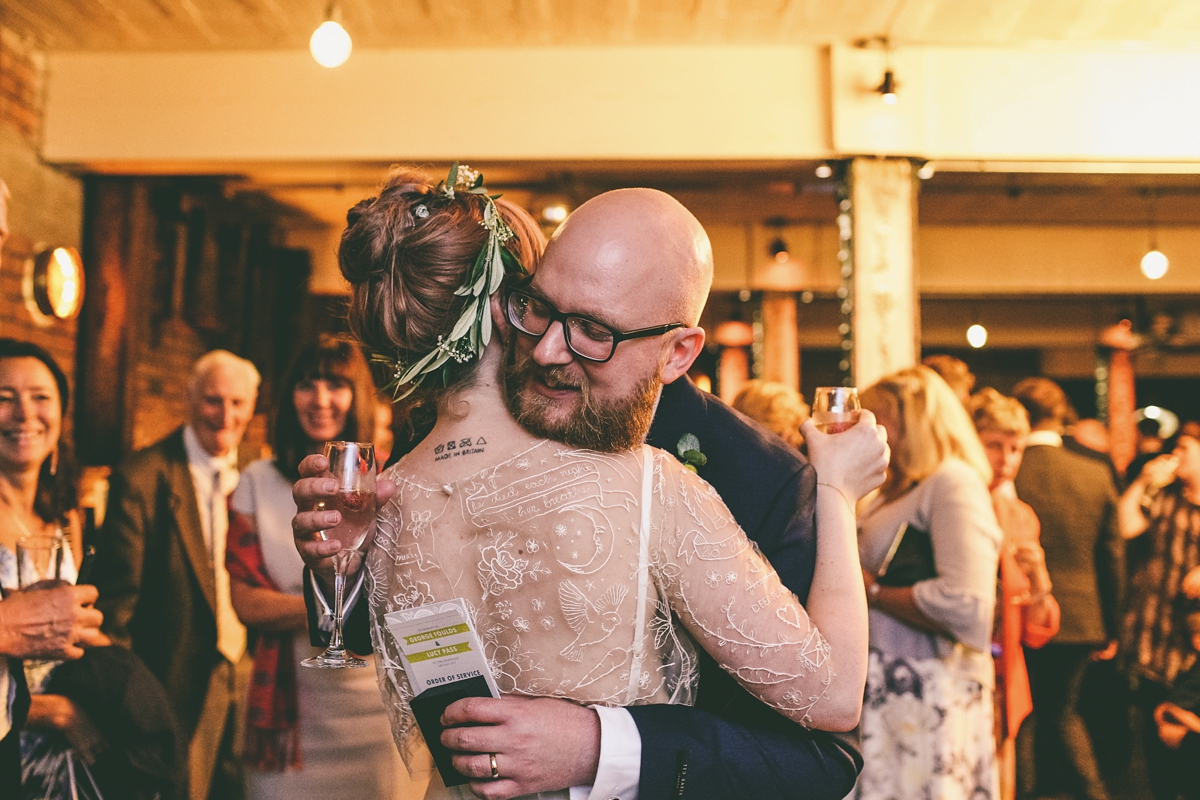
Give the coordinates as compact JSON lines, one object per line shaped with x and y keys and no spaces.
{"x":927,"y":719}
{"x":1026,"y":613}
{"x":956,"y":374}
{"x":776,"y":406}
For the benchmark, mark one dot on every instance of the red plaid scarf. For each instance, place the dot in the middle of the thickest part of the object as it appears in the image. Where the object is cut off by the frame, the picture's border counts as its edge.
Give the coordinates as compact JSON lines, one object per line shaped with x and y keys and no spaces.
{"x":272,"y":727}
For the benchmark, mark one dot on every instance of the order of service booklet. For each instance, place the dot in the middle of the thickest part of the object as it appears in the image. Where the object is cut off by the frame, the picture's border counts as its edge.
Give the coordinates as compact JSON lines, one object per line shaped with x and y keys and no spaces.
{"x":444,"y":662}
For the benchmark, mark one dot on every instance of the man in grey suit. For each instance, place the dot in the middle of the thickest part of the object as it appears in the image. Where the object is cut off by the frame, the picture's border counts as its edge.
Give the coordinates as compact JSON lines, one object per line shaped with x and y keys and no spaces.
{"x":160,"y":567}
{"x":1074,"y":498}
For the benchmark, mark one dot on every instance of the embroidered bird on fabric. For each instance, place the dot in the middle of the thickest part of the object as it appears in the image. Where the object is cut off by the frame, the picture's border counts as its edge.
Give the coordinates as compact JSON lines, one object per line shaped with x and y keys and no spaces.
{"x":592,"y":622}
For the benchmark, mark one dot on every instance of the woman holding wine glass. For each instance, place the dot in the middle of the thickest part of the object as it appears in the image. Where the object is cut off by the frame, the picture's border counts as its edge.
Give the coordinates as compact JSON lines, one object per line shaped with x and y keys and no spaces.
{"x":310,"y":733}
{"x":38,"y":503}
{"x":929,"y":544}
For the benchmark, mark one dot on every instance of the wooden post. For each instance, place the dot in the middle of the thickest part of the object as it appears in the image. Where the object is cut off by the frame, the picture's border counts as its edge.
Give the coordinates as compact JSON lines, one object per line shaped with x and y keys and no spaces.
{"x":886,"y":316}
{"x":781,"y":339}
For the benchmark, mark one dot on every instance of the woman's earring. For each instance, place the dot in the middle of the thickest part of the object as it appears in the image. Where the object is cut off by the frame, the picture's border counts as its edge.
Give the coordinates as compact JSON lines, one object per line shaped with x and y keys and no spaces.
{"x":54,"y":462}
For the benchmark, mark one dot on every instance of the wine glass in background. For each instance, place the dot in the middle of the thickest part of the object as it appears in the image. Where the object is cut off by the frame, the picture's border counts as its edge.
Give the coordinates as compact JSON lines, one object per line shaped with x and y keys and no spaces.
{"x":835,"y":408}
{"x":39,"y":558}
{"x":352,"y":464}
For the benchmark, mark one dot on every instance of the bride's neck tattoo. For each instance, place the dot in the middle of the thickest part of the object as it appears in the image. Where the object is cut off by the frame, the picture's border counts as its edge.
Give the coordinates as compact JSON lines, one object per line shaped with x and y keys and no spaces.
{"x":466,"y":446}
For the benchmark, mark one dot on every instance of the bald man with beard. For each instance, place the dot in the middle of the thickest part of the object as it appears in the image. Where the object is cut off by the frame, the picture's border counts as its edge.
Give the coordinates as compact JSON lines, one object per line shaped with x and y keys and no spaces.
{"x":638,"y":262}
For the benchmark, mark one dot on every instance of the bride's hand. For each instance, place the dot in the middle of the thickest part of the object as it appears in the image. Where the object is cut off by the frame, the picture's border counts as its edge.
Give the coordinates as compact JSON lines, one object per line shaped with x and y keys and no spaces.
{"x":855,"y":461}
{"x":311,"y":493}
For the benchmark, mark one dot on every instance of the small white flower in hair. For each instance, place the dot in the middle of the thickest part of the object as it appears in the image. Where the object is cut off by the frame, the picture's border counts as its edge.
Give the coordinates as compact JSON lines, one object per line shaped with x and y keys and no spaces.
{"x":421,"y":211}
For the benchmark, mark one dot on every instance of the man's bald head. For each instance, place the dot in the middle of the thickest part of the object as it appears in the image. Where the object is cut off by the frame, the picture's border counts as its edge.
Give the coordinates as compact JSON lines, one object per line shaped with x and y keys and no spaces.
{"x":644,"y":239}
{"x":637,"y":262}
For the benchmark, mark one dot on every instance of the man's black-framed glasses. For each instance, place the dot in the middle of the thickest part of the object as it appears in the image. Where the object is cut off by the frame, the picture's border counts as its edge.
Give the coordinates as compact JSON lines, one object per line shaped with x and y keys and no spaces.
{"x":585,"y":337}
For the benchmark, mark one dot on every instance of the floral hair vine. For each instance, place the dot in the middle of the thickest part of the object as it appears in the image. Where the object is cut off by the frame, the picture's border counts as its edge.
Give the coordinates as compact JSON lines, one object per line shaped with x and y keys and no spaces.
{"x":473,"y":330}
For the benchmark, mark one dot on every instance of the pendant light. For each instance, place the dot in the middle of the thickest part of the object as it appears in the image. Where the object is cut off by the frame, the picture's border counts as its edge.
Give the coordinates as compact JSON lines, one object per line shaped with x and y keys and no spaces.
{"x":330,"y":44}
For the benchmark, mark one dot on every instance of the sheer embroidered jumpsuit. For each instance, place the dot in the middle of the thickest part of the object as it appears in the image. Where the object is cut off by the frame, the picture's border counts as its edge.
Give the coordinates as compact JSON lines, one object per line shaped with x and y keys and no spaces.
{"x":572,"y":563}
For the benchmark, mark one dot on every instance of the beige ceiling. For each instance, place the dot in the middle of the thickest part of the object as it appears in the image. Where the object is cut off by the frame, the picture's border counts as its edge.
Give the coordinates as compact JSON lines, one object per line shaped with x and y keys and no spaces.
{"x":285,"y":24}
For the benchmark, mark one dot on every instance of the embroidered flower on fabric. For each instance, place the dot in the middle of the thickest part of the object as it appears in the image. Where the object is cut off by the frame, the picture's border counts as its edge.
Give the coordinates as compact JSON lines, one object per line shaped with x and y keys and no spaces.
{"x":521,"y":624}
{"x":712,"y":578}
{"x":730,"y":578}
{"x":504,"y":609}
{"x":532,"y":546}
{"x":419,"y":522}
{"x":547,"y":623}
{"x":410,"y":593}
{"x":538,"y":604}
{"x":500,"y":570}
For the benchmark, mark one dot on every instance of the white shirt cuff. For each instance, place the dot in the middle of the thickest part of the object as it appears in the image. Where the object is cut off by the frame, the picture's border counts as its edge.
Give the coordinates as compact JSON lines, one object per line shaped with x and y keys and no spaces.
{"x":325,"y":610}
{"x":620,"y":766}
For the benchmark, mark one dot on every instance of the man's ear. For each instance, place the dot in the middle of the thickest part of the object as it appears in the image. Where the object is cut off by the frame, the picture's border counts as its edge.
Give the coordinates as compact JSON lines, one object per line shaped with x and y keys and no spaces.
{"x":499,"y":321}
{"x":685,"y":347}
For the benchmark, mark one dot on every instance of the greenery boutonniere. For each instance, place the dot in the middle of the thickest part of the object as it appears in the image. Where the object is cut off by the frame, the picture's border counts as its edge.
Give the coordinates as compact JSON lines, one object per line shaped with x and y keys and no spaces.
{"x":689,"y":452}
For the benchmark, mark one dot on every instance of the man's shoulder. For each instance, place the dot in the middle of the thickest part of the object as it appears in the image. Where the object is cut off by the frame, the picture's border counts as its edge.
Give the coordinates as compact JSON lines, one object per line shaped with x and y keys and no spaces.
{"x":728,"y":438}
{"x":154,"y":459}
{"x":1046,"y":471}
{"x":1048,"y":456}
{"x":1078,"y":466}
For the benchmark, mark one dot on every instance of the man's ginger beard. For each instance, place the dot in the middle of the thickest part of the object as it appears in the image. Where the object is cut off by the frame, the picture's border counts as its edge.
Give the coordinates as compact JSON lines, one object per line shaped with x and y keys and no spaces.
{"x":609,"y":428}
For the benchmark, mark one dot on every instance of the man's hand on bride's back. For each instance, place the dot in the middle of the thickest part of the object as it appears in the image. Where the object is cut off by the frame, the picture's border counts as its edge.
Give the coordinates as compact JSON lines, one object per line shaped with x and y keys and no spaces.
{"x":540,"y":744}
{"x":854,"y":461}
{"x":312,"y":492}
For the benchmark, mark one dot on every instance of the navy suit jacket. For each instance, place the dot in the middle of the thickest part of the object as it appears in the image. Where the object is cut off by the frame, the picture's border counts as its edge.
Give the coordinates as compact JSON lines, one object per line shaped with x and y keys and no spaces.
{"x":729,"y":745}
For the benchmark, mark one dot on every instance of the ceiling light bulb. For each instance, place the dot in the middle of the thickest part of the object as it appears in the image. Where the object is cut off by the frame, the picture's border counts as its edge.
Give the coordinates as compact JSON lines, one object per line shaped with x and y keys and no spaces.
{"x":888,"y":88}
{"x":824,"y":171}
{"x":554,"y":213}
{"x":977,"y":336}
{"x":778,"y":249}
{"x":330,"y":44}
{"x":1154,"y":265}
{"x":925,"y":172}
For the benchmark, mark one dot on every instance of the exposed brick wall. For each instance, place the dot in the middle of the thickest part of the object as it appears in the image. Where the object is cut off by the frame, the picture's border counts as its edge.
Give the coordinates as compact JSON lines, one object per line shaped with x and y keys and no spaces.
{"x":15,"y":319}
{"x":161,"y":374}
{"x":46,"y":205}
{"x":22,"y":70}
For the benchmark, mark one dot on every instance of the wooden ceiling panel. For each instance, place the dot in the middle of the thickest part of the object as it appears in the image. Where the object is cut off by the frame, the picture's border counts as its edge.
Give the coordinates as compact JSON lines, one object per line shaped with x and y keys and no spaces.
{"x":287,"y":24}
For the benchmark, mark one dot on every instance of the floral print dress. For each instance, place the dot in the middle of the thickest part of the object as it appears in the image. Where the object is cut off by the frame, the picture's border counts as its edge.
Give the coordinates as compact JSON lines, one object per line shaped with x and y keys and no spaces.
{"x":927,"y":722}
{"x":49,"y":768}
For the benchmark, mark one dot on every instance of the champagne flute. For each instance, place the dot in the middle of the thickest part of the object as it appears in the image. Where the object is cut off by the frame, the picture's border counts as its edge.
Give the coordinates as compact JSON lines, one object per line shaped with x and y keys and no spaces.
{"x":835,"y":408}
{"x":352,"y":464}
{"x":39,"y":558}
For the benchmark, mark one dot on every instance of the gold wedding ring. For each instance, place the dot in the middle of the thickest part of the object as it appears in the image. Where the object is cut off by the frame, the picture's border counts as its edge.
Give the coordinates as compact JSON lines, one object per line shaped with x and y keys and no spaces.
{"x":495,"y":769}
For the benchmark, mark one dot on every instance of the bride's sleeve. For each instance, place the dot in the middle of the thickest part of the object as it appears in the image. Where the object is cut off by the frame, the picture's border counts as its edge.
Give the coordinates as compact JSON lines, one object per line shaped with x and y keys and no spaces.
{"x":732,"y":601}
{"x":389,"y":669}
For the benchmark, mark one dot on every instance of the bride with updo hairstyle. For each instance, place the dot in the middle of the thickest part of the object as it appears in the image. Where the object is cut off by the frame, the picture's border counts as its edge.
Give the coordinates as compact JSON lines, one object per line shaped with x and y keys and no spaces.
{"x":589,"y":576}
{"x":405,"y":267}
{"x":404,"y":274}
